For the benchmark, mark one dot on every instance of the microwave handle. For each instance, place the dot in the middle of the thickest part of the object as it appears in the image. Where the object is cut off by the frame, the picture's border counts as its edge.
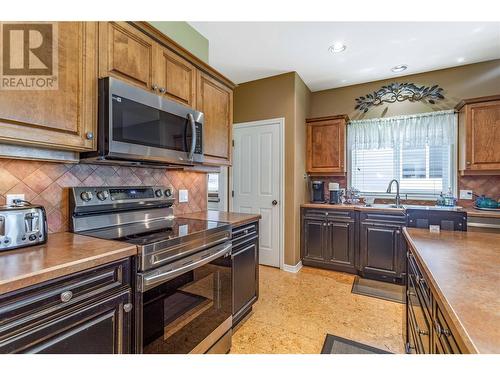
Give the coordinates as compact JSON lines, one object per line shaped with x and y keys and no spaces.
{"x":193,"y":137}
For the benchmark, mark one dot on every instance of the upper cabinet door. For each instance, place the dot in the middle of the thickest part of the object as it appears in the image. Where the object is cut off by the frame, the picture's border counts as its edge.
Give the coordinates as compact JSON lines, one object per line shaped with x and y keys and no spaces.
{"x":326,"y":145}
{"x":176,"y":77}
{"x":126,"y":53}
{"x":64,"y":118}
{"x":216,"y":101}
{"x":483,"y":136}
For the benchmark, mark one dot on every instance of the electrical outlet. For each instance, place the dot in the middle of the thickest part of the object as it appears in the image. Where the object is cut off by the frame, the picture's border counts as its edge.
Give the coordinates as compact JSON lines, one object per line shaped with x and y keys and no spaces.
{"x":183,"y":196}
{"x":466,"y":194}
{"x":9,"y":198}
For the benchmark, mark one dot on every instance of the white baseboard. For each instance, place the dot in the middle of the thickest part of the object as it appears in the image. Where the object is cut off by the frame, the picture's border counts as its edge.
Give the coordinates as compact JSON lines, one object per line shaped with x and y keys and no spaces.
{"x":292,"y":269}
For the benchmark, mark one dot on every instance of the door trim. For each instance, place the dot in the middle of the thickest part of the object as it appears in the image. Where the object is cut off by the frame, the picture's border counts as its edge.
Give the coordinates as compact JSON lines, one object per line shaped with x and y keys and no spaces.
{"x":280,"y":121}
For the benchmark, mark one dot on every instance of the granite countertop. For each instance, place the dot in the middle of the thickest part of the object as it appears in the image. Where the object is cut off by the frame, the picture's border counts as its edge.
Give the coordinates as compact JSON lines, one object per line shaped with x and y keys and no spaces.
{"x":233,"y":218}
{"x":63,"y":254}
{"x":482,"y":213}
{"x":462,"y":270}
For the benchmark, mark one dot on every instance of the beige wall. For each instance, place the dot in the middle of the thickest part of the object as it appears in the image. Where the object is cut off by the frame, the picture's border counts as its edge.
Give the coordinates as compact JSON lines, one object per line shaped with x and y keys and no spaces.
{"x":459,"y":83}
{"x":286,"y":96}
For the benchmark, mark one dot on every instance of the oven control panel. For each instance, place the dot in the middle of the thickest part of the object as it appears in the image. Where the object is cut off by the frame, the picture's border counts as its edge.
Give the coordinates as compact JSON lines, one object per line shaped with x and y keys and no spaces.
{"x":116,"y":195}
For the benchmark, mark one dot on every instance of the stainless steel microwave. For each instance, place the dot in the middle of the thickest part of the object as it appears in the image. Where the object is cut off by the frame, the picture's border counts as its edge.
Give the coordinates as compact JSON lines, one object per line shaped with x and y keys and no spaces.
{"x":141,"y":127}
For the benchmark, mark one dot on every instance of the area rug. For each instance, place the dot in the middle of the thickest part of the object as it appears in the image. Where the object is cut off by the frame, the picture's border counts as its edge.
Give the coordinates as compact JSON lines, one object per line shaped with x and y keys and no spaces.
{"x":378,"y":289}
{"x":339,"y":345}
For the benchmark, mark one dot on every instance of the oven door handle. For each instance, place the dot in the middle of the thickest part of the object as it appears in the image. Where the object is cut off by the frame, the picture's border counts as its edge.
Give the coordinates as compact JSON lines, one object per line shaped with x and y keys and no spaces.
{"x":147,"y":282}
{"x":193,"y":136}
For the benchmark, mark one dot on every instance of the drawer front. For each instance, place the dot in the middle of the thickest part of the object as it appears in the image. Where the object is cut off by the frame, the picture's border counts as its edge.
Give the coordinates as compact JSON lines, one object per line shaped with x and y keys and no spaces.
{"x":316,"y":213}
{"x":420,"y":282}
{"x":21,"y":309}
{"x":421,"y":320}
{"x":414,"y":344}
{"x":378,"y":218}
{"x":443,"y":337}
{"x":244,"y":233}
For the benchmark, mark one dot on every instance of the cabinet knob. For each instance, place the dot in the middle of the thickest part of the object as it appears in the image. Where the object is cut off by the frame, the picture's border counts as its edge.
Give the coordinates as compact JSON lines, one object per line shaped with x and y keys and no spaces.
{"x":324,"y":224}
{"x":468,"y":163}
{"x":127,"y":307}
{"x":163,"y":90}
{"x":66,"y":296}
{"x":89,"y":135}
{"x":154,"y":87}
{"x":422,"y":332}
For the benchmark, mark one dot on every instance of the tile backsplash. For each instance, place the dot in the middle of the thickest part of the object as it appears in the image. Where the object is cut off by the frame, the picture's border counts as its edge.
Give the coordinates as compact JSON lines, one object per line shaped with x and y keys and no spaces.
{"x":47,"y":183}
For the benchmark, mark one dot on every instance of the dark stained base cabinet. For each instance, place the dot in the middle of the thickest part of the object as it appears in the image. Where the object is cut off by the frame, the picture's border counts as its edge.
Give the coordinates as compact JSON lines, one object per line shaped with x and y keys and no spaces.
{"x":427,"y":329}
{"x":245,"y":255}
{"x":381,"y":246}
{"x":89,"y":312}
{"x":328,"y":239}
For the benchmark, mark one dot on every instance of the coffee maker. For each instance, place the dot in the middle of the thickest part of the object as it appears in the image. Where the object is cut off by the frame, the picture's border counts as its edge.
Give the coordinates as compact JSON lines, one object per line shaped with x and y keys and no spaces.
{"x":335,"y":193}
{"x":317,"y":192}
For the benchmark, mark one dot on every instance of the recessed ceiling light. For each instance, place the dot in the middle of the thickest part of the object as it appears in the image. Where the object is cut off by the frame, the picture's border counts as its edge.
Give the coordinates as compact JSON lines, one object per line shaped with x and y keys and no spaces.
{"x":337,"y":47}
{"x":399,"y":68}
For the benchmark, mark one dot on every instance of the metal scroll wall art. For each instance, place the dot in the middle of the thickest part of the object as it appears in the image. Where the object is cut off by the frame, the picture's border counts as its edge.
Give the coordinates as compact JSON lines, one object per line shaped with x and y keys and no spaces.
{"x":399,"y":92}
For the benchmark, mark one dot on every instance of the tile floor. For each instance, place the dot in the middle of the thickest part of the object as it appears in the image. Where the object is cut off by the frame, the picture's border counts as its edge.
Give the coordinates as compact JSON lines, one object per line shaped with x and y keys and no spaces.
{"x":296,"y":311}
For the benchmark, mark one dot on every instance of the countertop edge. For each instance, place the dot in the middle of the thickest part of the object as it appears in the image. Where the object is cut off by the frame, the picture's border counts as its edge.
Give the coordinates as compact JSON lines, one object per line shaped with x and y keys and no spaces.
{"x":66,"y":269}
{"x":464,"y":335}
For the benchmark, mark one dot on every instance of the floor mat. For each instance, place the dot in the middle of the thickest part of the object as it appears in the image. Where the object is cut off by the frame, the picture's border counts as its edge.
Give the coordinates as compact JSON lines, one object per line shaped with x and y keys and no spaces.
{"x":339,"y":345}
{"x":378,"y":289}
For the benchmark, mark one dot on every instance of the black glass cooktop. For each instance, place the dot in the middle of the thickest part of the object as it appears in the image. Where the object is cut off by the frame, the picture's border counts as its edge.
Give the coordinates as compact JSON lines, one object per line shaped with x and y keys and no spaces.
{"x":144,"y":233}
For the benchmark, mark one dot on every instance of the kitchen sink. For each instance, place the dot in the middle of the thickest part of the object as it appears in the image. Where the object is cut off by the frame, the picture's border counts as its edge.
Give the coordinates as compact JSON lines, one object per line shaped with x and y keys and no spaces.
{"x":379,"y":205}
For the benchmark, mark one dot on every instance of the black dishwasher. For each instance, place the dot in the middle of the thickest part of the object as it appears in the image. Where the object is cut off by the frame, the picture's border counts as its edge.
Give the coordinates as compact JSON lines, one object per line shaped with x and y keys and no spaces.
{"x":245,"y":256}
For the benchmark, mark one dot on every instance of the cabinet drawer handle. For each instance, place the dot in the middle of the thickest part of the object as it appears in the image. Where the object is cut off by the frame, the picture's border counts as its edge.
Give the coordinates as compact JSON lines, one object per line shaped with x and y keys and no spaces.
{"x":127,"y":307}
{"x":440,"y":330}
{"x":66,"y":296}
{"x":422,"y":332}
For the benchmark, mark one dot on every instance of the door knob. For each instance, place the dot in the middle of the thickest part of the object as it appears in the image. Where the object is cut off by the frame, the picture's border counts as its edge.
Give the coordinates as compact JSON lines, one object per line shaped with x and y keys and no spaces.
{"x":274,"y":202}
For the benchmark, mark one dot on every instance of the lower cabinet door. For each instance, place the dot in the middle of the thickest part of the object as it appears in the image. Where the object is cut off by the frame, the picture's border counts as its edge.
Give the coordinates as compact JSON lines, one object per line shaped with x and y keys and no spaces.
{"x":314,"y":238}
{"x":340,"y":246}
{"x":380,"y":248}
{"x":99,"y":327}
{"x":245,"y":279}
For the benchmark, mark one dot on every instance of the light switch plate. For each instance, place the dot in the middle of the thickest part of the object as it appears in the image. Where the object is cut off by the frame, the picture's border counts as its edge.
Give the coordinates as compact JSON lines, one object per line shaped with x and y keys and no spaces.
{"x":9,"y":198}
{"x":466,"y":194}
{"x":183,"y":196}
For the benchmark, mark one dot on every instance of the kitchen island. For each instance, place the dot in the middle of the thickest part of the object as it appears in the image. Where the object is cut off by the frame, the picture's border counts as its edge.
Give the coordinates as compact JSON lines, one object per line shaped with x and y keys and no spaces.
{"x":461,"y":270}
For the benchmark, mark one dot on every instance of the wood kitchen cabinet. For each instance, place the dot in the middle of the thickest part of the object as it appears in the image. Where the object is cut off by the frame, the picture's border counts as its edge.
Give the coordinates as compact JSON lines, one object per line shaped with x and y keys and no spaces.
{"x":89,"y":312}
{"x":479,"y":135}
{"x":215,"y":100}
{"x":175,"y":76}
{"x":126,"y":53}
{"x":428,"y":330}
{"x":381,"y":246}
{"x":64,"y":118}
{"x":328,"y":239}
{"x":326,"y":145}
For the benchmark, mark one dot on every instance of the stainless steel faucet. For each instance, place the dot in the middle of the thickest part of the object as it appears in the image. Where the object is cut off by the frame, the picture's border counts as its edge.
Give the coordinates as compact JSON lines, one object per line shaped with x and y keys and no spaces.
{"x":398,"y":198}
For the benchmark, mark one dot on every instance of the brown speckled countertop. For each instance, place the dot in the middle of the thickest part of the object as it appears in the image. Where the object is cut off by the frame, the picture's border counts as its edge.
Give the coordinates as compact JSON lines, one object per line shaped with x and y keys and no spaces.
{"x":462,"y":269}
{"x":233,"y":218}
{"x":63,"y":254}
{"x":482,"y":213}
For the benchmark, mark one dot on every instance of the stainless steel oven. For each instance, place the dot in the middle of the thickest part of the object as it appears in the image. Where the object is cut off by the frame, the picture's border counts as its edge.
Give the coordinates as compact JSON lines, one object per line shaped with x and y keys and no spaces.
{"x":187,"y":305}
{"x":183,"y":268}
{"x":139,"y":126}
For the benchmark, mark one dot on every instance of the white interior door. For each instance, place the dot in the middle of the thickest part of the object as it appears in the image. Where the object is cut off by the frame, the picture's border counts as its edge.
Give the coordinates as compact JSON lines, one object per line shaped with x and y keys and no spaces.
{"x":257,"y":181}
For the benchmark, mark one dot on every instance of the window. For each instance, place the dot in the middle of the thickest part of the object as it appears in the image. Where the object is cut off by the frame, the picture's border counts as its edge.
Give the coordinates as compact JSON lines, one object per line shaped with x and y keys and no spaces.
{"x":417,"y":150}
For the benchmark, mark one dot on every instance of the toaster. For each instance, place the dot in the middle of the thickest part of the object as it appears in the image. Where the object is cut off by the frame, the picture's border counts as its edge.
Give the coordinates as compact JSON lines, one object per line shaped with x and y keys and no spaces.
{"x":22,"y":226}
